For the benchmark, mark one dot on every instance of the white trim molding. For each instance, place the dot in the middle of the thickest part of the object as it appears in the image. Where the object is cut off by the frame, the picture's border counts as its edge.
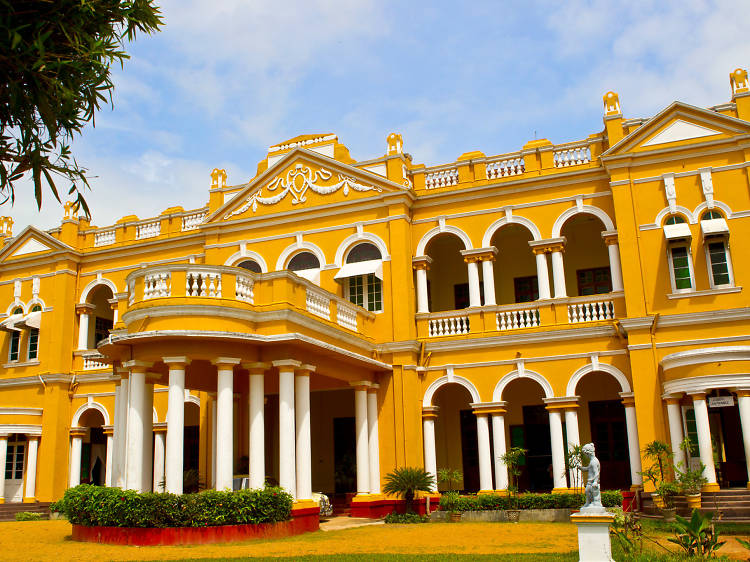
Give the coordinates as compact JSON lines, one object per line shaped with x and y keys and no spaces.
{"x":510,"y":218}
{"x":597,"y":366}
{"x":95,"y":283}
{"x":705,"y":355}
{"x":298,"y":246}
{"x":8,"y":428}
{"x":20,"y":411}
{"x":582,"y":209}
{"x":351,"y":241}
{"x":705,"y":383}
{"x":245,"y":254}
{"x":441,"y":229}
{"x":90,"y":406}
{"x":521,"y":373}
{"x":447,"y":379}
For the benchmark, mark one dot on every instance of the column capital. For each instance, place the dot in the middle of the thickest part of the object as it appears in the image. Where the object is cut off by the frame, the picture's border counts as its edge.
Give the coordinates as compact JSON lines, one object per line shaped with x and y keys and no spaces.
{"x":78,"y":431}
{"x":226,"y":362}
{"x":373,"y":389}
{"x":548,"y":245}
{"x":108,"y":429}
{"x":85,"y":308}
{"x":32,"y":437}
{"x":255,"y":367}
{"x":479,"y":254}
{"x":697,"y":395}
{"x":113,"y":303}
{"x":304,"y":370}
{"x":160,"y":427}
{"x":360,"y":385}
{"x":180,"y":360}
{"x":4,"y":436}
{"x":137,"y":366}
{"x":286,"y":364}
{"x":421,"y":262}
{"x":628,"y":399}
{"x":558,"y":403}
{"x":742,"y":392}
{"x":486,"y":408}
{"x":430,"y":412}
{"x":673,"y":398}
{"x":610,"y":237}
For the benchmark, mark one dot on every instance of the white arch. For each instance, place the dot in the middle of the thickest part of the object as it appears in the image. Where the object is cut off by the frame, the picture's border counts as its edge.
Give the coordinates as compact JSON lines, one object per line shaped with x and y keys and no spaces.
{"x":155,"y":416}
{"x":497,"y":394}
{"x":95,"y":283}
{"x":350,"y":241}
{"x":590,"y":368}
{"x":193,"y":400}
{"x":512,"y":219}
{"x":297,"y":247}
{"x":241,"y":256}
{"x":704,"y":206}
{"x":430,"y":234}
{"x":666,"y":211}
{"x":583,"y":209}
{"x":447,"y":379}
{"x":90,"y":406}
{"x":15,"y":304}
{"x":35,"y":301}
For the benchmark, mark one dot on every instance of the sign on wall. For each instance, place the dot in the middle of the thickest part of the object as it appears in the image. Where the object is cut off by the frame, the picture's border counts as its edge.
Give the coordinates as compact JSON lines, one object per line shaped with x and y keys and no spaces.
{"x":720,"y":401}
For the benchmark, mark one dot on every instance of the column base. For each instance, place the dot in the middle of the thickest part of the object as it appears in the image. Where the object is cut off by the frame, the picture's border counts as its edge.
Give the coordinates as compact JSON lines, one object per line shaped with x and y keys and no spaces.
{"x":636,"y":487}
{"x":304,"y":504}
{"x":2,"y":500}
{"x":710,"y":487}
{"x":485,"y":492}
{"x":29,"y":500}
{"x":503,"y":491}
{"x":375,"y":506}
{"x":561,"y":490}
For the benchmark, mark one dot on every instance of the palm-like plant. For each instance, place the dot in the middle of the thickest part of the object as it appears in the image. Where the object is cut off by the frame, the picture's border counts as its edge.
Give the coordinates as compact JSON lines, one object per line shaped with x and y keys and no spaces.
{"x":405,"y":482}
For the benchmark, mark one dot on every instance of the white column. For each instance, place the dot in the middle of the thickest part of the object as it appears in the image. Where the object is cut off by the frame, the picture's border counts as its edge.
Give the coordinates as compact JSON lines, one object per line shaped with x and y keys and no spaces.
{"x":175,"y":424}
{"x":287,"y":434}
{"x":256,"y":429}
{"x":83,"y":330}
{"x":421,"y":264}
{"x":304,"y":443}
{"x":558,"y":274}
{"x":362,"y":445}
{"x":109,"y":455}
{"x":485,"y":457}
{"x":159,"y":470}
{"x":499,"y":449}
{"x":148,"y":437}
{"x":373,"y":438}
{"x":488,"y":279}
{"x":674,"y":415}
{"x":3,"y":460}
{"x":429,"y":414}
{"x":225,"y":422}
{"x":136,"y":434}
{"x":114,"y":470}
{"x":542,"y":274}
{"x":213,"y":442}
{"x":30,"y":494}
{"x":474,"y":294}
{"x":76,"y":440}
{"x":743,"y":402}
{"x":574,"y":439}
{"x":614,"y":267}
{"x":121,"y":437}
{"x":558,"y":452}
{"x":704,"y":438}
{"x":634,"y":448}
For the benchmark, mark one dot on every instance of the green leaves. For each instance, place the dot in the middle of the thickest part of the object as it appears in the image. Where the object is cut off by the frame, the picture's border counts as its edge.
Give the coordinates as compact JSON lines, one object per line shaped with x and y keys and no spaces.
{"x":697,"y":536}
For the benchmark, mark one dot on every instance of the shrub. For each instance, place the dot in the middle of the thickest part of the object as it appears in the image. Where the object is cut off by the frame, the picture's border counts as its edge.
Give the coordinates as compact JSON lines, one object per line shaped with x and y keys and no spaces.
{"x":406,"y":481}
{"x":487,"y":502}
{"x":406,"y":518}
{"x":111,"y":507}
{"x":28,"y":516}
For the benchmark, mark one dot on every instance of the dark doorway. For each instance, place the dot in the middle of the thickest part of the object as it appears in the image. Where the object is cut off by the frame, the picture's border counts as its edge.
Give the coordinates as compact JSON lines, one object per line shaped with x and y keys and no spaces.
{"x":534,"y":436}
{"x":724,"y":422}
{"x":190,"y":450}
{"x":469,"y":451}
{"x":344,"y":455}
{"x":610,"y":437}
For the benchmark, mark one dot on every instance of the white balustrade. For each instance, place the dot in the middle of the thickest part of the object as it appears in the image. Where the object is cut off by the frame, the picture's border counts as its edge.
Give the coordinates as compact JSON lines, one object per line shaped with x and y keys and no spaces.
{"x":449,"y":326}
{"x":157,"y":285}
{"x":346,"y":316}
{"x":148,"y":230}
{"x":93,"y":362}
{"x":318,"y":304}
{"x":514,"y":319}
{"x":203,"y":284}
{"x":190,"y":222}
{"x":243,"y":288}
{"x":505,"y":168}
{"x":591,"y":311}
{"x":572,"y":156}
{"x":443,"y":178}
{"x":104,"y":238}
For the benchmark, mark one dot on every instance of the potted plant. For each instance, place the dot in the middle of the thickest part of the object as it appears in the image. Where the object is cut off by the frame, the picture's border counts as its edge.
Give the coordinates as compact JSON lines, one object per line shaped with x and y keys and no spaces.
{"x":689,"y":479}
{"x":659,"y":454}
{"x":512,"y":460}
{"x":449,"y":476}
{"x":406,"y":481}
{"x":667,"y":491}
{"x":449,"y":502}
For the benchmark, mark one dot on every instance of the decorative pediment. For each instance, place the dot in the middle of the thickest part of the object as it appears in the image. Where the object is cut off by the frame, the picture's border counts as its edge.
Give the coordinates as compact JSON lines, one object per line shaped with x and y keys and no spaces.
{"x":31,"y":241}
{"x":680,"y":130}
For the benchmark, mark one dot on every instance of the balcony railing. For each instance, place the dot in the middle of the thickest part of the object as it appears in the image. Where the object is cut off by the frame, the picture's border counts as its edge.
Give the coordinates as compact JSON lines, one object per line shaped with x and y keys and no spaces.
{"x":441,"y":178}
{"x":104,"y":238}
{"x":572,"y":155}
{"x":505,"y":167}
{"x":514,"y":318}
{"x":148,"y":230}
{"x":189,"y":222}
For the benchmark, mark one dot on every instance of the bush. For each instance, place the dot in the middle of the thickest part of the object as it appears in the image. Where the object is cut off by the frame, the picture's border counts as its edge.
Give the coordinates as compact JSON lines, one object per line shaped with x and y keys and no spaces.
{"x":406,"y":518}
{"x":28,"y":516}
{"x":111,"y":507}
{"x":487,"y":502}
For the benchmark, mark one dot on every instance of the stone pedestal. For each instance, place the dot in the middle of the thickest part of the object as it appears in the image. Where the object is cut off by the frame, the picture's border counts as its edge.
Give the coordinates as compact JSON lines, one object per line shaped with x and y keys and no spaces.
{"x":593,"y":535}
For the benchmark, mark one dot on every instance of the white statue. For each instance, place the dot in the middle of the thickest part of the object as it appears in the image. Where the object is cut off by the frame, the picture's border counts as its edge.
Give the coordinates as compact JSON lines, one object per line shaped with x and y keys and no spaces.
{"x":593,"y":492}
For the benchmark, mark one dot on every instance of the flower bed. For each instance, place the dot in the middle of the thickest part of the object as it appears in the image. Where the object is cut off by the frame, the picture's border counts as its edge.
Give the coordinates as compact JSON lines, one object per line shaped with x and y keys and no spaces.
{"x":492,"y":502}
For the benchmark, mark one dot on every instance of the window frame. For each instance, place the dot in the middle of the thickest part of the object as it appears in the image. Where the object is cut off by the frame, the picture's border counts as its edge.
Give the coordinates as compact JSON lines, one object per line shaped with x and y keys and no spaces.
{"x":367,"y":295}
{"x":689,"y":254}
{"x":709,"y":266}
{"x":15,"y":336}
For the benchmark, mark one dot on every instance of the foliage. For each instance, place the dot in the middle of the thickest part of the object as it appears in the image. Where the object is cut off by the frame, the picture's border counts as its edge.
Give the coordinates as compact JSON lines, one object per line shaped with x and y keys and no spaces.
{"x":744,"y":543}
{"x":697,"y":536}
{"x":573,"y":462}
{"x":406,"y":518}
{"x":407,"y":481}
{"x":689,"y":480}
{"x":28,"y":516}
{"x":449,"y":475}
{"x":55,"y":75}
{"x":659,"y":454}
{"x":111,"y":507}
{"x":489,"y":502}
{"x":449,"y":501}
{"x":190,"y":481}
{"x":627,"y":531}
{"x":668,"y":491}
{"x":512,"y":460}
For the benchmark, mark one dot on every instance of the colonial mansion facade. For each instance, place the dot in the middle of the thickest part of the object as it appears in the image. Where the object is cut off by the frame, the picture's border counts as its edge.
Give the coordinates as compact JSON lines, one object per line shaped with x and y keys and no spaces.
{"x":331,"y":320}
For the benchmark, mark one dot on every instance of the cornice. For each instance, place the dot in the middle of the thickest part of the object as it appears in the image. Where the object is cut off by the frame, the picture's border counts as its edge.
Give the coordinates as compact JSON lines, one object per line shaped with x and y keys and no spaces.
{"x":705,"y":355}
{"x":707,"y":317}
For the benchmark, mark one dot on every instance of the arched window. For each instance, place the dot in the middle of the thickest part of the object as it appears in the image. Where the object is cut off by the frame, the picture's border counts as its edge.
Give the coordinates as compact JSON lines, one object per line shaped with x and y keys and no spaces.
{"x":710,"y":215}
{"x":363,"y":273}
{"x":250,"y":265}
{"x":15,"y":338}
{"x":34,"y":337}
{"x":303,"y":261}
{"x":674,"y":219}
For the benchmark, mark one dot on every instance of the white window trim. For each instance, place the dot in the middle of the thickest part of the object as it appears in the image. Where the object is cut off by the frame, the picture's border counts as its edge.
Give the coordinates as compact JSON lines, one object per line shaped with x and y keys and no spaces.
{"x":670,"y":247}
{"x":365,"y":299}
{"x":725,"y":241}
{"x":28,"y":345}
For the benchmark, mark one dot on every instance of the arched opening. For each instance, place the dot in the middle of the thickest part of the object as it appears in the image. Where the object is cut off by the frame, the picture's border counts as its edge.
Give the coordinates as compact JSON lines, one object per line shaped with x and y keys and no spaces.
{"x":527,"y":426}
{"x":515,"y":269}
{"x":101,"y":318}
{"x":586,"y":257}
{"x":190,"y":449}
{"x":15,"y":465}
{"x":93,"y":448}
{"x":456,"y":445}
{"x":250,"y":265}
{"x":362,"y":276}
{"x":601,"y":421}
{"x":447,"y":278}
{"x":305,"y":264}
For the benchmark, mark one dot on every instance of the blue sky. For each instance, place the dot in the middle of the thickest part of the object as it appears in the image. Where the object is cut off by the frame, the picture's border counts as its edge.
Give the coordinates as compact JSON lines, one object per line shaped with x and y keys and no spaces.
{"x":226,"y":79}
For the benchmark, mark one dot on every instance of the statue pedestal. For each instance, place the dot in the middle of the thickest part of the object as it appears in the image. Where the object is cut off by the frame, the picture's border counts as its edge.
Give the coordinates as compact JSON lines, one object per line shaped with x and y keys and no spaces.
{"x":593,"y":534}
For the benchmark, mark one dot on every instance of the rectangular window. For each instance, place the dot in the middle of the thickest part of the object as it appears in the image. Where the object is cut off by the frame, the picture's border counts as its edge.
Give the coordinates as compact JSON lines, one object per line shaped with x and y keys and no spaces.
{"x":356,"y":291}
{"x":14,"y":462}
{"x":718,"y":263}
{"x":594,"y":281}
{"x":102,"y":326}
{"x":15,"y":344}
{"x":681,"y":268}
{"x":33,"y":343}
{"x":526,"y":288}
{"x":374,"y":293}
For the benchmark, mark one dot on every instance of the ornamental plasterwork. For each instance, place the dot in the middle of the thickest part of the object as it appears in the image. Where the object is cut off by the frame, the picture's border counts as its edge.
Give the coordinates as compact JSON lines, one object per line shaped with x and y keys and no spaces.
{"x":296,"y":183}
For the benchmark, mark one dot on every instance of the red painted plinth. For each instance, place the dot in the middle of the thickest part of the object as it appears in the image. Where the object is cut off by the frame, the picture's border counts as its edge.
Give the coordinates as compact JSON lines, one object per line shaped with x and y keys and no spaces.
{"x":303,"y":521}
{"x":380,"y":508}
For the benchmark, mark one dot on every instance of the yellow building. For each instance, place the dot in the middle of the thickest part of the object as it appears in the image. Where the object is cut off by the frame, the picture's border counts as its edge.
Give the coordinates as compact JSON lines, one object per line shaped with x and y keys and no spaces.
{"x":332,"y":319}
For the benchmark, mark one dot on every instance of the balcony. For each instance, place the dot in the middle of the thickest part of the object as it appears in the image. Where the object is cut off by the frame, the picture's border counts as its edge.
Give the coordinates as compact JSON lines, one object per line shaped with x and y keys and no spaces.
{"x":534,"y":316}
{"x":239,"y":299}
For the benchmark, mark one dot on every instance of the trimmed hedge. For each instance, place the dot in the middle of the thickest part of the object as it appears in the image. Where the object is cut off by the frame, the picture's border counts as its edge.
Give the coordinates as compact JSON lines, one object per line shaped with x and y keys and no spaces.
{"x":96,"y":506}
{"x":28,"y":516}
{"x":406,"y":518}
{"x":488,"y":502}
